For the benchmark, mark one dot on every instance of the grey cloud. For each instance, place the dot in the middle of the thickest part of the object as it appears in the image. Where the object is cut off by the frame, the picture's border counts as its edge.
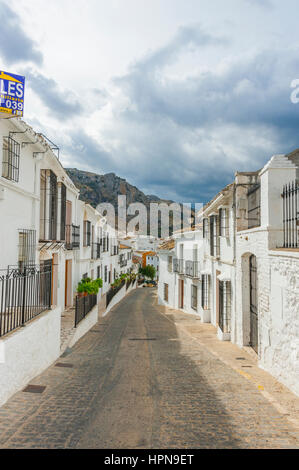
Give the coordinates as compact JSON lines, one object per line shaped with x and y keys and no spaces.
{"x":184,"y":138}
{"x":261,"y":3}
{"x":230,"y":121}
{"x":85,"y":150}
{"x":61,"y":104}
{"x":15,"y":45}
{"x":188,"y":37}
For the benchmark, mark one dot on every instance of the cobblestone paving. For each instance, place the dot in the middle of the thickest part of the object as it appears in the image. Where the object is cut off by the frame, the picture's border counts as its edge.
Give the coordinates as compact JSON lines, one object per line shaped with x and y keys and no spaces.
{"x":139,"y":382}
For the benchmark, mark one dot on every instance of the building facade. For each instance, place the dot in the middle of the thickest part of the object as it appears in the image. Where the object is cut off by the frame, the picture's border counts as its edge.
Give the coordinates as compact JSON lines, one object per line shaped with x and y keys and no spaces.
{"x":238,"y":267}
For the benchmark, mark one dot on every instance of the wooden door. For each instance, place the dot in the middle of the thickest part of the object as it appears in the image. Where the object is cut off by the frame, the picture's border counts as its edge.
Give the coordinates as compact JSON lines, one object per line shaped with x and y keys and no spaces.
{"x":181,"y":293}
{"x":68,"y":283}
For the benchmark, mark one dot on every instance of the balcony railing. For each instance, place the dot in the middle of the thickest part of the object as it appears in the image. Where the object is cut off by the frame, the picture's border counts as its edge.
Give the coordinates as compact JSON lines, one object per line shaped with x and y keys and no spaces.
{"x":72,"y":237}
{"x":178,"y":266}
{"x":188,"y":268}
{"x":123,"y":262}
{"x":83,"y":306}
{"x":24,"y":294}
{"x":95,"y":251}
{"x":113,"y":291}
{"x":192,"y":269}
{"x":291,"y":215}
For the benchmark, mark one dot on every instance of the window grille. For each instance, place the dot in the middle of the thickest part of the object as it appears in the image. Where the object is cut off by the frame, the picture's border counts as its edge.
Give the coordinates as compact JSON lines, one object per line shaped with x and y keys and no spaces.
{"x":225,"y":306}
{"x":53,"y":206}
{"x":223,"y":223}
{"x":27,"y":248}
{"x":214,"y":236}
{"x":87,"y":233}
{"x":254,"y":206}
{"x":291,"y":215}
{"x":205,"y":228}
{"x":205,"y":295}
{"x":11,"y":159}
{"x":62,"y":211}
{"x":43,"y":204}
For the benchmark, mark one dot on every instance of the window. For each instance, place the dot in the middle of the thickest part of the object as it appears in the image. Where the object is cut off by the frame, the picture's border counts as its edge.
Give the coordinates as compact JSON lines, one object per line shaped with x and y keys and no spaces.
{"x":223,"y":225}
{"x":194,"y":297}
{"x":214,"y":236}
{"x":205,"y":294}
{"x":85,"y":275}
{"x":11,"y":159}
{"x":106,"y":272}
{"x":166,"y":292}
{"x":87,"y":233}
{"x":98,"y":272}
{"x":254,"y":206}
{"x":225,"y":306}
{"x":53,"y":206}
{"x":62,"y":211}
{"x":27,"y":248}
{"x":205,"y":233}
{"x":109,"y":277}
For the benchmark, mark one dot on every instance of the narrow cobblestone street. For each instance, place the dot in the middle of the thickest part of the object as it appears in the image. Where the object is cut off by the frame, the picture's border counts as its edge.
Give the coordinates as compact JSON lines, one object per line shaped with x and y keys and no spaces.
{"x":137,"y":380}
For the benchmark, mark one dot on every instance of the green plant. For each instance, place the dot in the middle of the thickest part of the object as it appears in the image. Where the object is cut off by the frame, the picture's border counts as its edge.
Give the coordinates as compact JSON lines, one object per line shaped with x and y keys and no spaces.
{"x":149,"y":271}
{"x":99,"y":281}
{"x":87,"y":286}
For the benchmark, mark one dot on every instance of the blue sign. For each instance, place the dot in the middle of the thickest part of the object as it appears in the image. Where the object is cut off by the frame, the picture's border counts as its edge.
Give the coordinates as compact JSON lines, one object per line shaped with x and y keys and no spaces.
{"x":12,"y":88}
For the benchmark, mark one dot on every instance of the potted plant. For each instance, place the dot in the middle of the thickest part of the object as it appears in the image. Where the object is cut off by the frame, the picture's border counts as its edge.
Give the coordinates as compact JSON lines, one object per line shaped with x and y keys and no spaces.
{"x":87,"y":287}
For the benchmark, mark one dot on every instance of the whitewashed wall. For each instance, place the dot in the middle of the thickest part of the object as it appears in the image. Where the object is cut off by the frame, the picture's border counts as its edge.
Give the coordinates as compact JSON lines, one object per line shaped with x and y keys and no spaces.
{"x":166,"y":277}
{"x":280,"y":355}
{"x":28,"y":351}
{"x":18,"y":200}
{"x":277,"y":282}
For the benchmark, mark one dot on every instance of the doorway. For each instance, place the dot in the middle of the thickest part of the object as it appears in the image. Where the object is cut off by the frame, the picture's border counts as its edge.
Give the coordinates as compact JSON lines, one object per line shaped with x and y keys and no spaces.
{"x":181,"y":293}
{"x":68,"y":283}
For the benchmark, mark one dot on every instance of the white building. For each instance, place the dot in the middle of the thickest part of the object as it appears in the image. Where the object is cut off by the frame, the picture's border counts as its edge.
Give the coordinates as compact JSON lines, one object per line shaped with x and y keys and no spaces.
{"x":166,"y":284}
{"x":125,"y":259}
{"x":152,"y":259}
{"x":49,"y":241}
{"x":239,"y":268}
{"x":267,"y":267}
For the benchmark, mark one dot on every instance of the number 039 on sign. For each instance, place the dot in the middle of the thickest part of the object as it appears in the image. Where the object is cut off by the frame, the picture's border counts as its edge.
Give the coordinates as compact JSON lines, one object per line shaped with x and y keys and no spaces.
{"x":12,"y":88}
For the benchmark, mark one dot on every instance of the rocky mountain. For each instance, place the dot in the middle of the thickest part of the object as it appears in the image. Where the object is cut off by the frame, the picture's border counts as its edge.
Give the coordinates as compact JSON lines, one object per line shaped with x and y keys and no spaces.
{"x":95,"y":189}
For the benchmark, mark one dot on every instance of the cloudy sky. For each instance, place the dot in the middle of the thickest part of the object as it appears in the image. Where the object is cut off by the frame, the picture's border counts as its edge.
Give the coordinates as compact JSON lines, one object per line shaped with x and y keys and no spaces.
{"x":173,"y":95}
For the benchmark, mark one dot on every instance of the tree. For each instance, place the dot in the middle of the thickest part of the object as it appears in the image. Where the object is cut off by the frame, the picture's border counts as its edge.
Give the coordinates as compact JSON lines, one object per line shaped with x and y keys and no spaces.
{"x":149,"y":271}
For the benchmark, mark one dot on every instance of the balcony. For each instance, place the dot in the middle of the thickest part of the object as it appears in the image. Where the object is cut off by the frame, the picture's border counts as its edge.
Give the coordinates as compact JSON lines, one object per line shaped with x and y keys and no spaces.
{"x":178,"y":266}
{"x":72,"y":237}
{"x":95,"y":250}
{"x":123,"y":262}
{"x":192,"y":269}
